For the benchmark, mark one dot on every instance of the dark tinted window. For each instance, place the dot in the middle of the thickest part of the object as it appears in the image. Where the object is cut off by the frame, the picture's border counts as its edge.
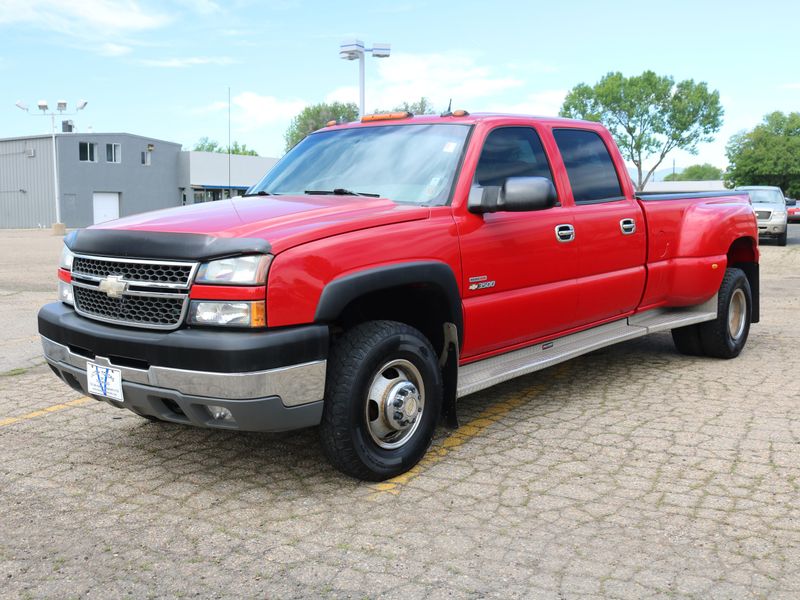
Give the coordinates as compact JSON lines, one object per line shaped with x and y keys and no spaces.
{"x":511,"y":152}
{"x":589,"y":167}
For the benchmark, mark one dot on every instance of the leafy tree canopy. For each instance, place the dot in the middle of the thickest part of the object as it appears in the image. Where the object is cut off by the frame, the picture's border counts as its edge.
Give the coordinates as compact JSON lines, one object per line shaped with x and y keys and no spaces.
{"x":315,"y":116}
{"x":422,"y":106}
{"x":648,"y":115}
{"x":767,"y":155}
{"x":704,"y":172}
{"x":206,"y":145}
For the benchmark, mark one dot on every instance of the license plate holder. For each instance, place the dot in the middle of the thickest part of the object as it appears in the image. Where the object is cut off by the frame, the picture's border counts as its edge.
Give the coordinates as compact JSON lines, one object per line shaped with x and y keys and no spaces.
{"x":104,"y":381}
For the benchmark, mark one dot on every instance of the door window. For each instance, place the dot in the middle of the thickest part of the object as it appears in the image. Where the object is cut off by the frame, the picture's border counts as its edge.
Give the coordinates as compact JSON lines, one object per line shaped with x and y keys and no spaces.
{"x":589,"y":166}
{"x":511,"y":152}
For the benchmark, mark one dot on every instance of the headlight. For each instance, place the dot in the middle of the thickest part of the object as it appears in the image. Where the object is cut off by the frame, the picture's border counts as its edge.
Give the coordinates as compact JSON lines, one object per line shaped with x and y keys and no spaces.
{"x":65,"y":293}
{"x":65,"y":262}
{"x":779,"y":214}
{"x":230,"y":314}
{"x":240,"y":270}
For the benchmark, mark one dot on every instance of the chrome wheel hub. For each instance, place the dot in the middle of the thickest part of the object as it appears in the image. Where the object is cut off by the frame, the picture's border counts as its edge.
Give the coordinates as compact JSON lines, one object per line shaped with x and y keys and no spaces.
{"x":395,"y":403}
{"x":737,"y":311}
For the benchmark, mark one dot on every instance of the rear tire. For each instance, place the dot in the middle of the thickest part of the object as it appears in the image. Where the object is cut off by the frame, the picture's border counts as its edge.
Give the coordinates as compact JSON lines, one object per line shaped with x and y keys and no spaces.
{"x":725,"y":336}
{"x":383,"y":397}
{"x":687,"y":340}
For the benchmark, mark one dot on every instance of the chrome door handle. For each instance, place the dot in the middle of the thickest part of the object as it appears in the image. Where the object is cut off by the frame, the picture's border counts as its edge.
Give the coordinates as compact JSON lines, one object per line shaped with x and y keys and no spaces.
{"x":628,"y":226}
{"x":565,"y":233}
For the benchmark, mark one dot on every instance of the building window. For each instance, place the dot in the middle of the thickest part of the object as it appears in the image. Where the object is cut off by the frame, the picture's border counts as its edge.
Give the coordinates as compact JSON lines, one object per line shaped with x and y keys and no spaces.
{"x":146,"y":158}
{"x":87,"y":152}
{"x":113,"y":153}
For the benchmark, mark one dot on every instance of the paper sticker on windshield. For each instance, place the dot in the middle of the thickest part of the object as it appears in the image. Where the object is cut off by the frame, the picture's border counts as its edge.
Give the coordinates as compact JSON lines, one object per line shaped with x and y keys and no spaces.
{"x":433,"y":186}
{"x":450,"y":147}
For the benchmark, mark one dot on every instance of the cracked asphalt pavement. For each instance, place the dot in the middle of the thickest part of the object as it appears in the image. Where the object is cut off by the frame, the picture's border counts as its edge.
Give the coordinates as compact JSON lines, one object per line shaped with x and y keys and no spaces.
{"x":631,"y":472}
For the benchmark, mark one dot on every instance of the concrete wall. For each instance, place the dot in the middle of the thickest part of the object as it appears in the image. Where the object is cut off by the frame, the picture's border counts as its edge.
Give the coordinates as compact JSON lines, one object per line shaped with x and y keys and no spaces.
{"x":27,"y":199}
{"x":210,"y":169}
{"x":142,"y":188}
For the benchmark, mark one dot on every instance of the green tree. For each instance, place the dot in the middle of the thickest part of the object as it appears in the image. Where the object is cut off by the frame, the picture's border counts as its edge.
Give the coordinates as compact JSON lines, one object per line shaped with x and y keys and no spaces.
{"x":315,"y":117}
{"x":767,"y":155}
{"x":648,"y":115}
{"x":422,"y":106}
{"x":704,"y":172}
{"x":206,"y":145}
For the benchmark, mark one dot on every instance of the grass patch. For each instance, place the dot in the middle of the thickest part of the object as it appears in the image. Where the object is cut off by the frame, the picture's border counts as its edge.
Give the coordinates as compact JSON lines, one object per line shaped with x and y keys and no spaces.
{"x":13,"y":372}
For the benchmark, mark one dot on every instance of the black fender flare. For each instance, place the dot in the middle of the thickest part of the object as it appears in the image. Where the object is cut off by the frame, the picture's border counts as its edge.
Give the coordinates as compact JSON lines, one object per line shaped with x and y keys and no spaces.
{"x":338,"y":293}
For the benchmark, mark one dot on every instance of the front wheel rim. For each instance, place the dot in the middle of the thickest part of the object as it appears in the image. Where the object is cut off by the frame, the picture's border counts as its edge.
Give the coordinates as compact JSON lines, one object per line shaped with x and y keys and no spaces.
{"x":737,"y":313}
{"x":395,"y":404}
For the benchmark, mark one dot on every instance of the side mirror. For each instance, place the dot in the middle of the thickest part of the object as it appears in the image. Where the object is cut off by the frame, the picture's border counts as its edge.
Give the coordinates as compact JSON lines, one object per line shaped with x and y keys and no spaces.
{"x":517,"y":194}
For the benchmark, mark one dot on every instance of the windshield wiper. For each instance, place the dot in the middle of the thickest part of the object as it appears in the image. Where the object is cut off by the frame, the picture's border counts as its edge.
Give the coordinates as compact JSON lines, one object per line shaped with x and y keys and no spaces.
{"x":259,"y":193}
{"x":340,"y":192}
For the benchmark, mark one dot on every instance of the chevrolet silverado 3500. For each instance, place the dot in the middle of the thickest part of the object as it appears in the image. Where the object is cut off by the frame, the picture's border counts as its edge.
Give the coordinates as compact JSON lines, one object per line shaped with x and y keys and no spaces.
{"x":385,"y":268}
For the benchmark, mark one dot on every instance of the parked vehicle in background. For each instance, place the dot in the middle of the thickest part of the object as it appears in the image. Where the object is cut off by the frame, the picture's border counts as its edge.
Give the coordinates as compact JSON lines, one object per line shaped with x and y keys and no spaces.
{"x":771,"y":211}
{"x":385,"y":268}
{"x":792,"y":211}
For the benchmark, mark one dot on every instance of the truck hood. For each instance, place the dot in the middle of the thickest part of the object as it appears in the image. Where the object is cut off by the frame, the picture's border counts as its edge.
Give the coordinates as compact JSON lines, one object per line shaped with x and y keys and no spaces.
{"x":283,"y":221}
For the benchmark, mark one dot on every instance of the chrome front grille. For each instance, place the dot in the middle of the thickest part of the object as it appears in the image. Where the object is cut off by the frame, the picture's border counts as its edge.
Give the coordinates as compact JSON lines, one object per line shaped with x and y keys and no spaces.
{"x":160,"y":273}
{"x":763,"y":215}
{"x":160,"y":312}
{"x":155,"y":295}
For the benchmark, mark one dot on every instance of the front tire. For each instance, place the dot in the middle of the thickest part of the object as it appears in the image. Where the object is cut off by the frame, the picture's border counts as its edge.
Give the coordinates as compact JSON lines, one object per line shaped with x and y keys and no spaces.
{"x":382,"y":400}
{"x":782,"y":237}
{"x":725,"y":336}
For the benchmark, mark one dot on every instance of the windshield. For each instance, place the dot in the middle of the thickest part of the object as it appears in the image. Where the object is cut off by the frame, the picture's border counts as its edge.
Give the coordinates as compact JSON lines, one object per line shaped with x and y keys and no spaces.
{"x":405,"y":163}
{"x":765,"y":196}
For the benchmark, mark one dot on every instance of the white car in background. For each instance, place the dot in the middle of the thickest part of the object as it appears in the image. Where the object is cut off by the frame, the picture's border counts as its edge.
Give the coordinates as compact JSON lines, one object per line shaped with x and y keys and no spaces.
{"x":770,"y":208}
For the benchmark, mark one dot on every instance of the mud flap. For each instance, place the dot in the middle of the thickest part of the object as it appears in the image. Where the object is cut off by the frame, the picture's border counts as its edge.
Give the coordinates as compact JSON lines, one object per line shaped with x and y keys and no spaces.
{"x":448,"y":363}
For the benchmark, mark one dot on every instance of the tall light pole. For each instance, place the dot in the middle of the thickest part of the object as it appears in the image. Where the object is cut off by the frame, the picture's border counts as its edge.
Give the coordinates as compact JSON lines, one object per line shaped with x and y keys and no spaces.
{"x":354,"y":49}
{"x":61,"y":107}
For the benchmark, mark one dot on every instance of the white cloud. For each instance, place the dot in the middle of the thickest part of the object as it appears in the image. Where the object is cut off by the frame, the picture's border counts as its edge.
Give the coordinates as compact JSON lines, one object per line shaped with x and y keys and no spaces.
{"x":188,"y":61}
{"x":546,"y":103}
{"x":111,"y":49}
{"x":254,"y":111}
{"x":438,"y":77}
{"x":251,"y":111}
{"x":84,"y":18}
{"x":203,"y":7}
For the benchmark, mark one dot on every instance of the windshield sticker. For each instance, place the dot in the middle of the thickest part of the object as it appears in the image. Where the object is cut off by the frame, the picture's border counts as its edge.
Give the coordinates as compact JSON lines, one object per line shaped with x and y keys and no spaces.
{"x":433,"y":187}
{"x":450,"y":147}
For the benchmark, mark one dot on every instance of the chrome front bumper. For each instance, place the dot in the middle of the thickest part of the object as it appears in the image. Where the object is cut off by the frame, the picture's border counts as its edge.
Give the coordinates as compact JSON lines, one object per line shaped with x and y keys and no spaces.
{"x":294,"y":385}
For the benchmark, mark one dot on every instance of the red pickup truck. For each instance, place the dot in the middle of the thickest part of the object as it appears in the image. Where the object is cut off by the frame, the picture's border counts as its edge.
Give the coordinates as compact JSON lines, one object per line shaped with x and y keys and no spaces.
{"x":385,"y":268}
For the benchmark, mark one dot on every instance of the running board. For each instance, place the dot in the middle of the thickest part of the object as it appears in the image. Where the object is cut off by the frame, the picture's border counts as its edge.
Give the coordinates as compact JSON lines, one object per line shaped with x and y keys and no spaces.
{"x":480,"y":375}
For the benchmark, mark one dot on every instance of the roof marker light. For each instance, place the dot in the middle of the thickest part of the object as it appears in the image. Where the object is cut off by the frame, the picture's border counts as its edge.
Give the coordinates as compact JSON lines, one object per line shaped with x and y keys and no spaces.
{"x":387,"y":116}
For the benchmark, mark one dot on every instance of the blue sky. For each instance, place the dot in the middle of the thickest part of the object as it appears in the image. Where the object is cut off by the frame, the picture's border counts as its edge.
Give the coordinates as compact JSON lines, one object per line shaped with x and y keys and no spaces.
{"x":163,"y":68}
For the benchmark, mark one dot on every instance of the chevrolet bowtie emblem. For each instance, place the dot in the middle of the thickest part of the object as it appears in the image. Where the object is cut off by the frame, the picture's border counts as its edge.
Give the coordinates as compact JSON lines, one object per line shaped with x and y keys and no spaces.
{"x":113,"y":286}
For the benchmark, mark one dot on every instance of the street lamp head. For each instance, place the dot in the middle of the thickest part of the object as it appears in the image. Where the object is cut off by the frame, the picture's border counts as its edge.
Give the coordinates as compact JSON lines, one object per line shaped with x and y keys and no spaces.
{"x":82,"y":104}
{"x":22,"y":106}
{"x":42,"y":104}
{"x":381,"y":50}
{"x":61,"y":105}
{"x":351,"y":49}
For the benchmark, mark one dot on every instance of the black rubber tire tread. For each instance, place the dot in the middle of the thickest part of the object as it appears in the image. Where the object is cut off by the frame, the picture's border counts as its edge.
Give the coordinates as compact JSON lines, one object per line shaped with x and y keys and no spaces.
{"x":714,"y":334}
{"x":687,"y":340}
{"x":348,"y":369}
{"x":782,"y":237}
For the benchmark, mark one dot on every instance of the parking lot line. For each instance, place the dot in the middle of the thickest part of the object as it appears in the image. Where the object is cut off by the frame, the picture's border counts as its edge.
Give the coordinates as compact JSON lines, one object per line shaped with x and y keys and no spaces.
{"x":44,"y":411}
{"x":463,"y":434}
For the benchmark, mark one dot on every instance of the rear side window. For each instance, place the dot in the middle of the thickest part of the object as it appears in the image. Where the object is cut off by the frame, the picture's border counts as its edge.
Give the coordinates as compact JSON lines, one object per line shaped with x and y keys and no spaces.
{"x":511,"y":152}
{"x":589,"y":166}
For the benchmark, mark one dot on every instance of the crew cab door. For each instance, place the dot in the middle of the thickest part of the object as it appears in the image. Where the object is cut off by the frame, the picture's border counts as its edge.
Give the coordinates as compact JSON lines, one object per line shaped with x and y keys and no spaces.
{"x":518,"y":275}
{"x":610,"y":231}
